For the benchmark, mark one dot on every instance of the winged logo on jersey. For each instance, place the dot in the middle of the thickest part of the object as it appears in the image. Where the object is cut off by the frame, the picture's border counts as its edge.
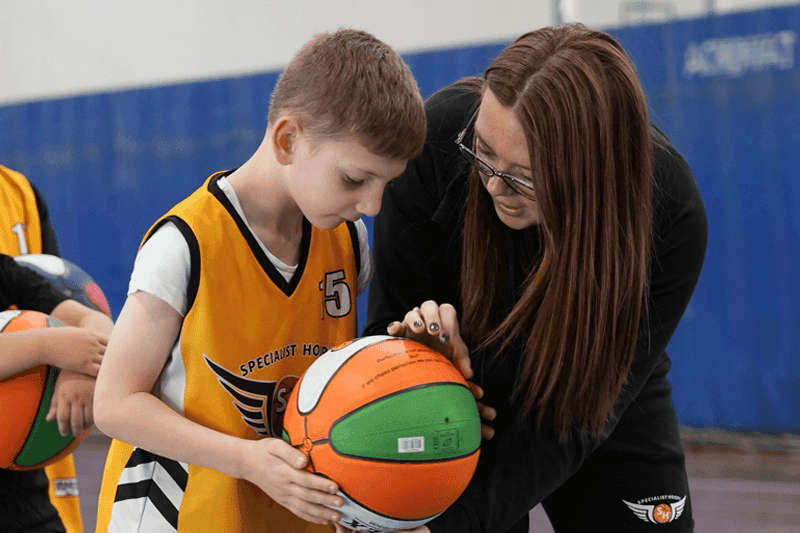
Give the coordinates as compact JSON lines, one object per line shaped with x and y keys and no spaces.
{"x":658,"y":514}
{"x":253,"y":398}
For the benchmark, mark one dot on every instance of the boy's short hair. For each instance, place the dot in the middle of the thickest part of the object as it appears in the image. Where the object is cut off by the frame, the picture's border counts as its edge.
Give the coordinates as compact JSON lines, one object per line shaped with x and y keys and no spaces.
{"x":349,"y":82}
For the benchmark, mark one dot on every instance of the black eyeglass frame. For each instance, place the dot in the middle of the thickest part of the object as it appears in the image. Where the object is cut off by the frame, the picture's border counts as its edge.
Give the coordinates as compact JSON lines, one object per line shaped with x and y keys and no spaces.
{"x":488,"y":170}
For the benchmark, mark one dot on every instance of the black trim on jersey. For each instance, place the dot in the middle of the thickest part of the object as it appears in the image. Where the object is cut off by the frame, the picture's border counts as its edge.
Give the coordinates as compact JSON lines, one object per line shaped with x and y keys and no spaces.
{"x":266,"y":265}
{"x":148,"y":489}
{"x":356,"y":245}
{"x":140,"y":457}
{"x":194,"y":255}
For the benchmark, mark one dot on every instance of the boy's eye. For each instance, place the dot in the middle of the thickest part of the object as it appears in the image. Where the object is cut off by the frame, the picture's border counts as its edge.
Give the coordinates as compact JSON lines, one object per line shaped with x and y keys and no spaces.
{"x":350,"y":180}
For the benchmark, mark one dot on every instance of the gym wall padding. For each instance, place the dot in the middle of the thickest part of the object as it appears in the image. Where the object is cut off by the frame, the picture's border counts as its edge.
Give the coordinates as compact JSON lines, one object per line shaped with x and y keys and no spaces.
{"x":725,"y":89}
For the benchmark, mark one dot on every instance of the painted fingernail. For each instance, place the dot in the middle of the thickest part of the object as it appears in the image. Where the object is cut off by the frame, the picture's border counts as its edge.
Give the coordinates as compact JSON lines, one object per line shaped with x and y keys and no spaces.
{"x":445,"y":337}
{"x":417,"y":323}
{"x":434,"y":326}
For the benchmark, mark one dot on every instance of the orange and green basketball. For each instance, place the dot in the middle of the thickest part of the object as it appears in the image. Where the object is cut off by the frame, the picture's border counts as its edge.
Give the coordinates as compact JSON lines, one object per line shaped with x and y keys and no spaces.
{"x":393,"y":423}
{"x":27,"y":440}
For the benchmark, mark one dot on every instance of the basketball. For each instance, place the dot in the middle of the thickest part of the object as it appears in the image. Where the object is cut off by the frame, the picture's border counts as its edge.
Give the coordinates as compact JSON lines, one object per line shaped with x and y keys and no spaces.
{"x":27,"y":440}
{"x":69,"y":278}
{"x":393,"y":423}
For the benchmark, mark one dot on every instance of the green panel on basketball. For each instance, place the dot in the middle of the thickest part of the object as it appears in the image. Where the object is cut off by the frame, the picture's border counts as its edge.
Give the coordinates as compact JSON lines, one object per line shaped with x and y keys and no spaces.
{"x":44,"y":436}
{"x":395,"y":428}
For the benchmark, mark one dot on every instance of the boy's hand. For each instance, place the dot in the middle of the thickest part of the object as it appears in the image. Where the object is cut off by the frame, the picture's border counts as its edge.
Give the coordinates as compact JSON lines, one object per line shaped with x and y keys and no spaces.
{"x":71,"y":403}
{"x":436,"y":326}
{"x":75,"y":349}
{"x":276,"y":468}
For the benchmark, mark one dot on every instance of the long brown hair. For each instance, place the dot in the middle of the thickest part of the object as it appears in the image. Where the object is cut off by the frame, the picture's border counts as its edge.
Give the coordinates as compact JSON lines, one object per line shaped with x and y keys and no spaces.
{"x":579,"y":100}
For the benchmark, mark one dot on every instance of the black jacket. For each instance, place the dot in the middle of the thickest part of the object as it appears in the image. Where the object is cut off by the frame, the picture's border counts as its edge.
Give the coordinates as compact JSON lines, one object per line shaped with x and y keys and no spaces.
{"x":417,"y":257}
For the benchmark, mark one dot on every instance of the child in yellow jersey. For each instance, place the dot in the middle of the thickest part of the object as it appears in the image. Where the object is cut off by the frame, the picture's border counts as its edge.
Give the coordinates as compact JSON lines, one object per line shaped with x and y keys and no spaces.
{"x":25,"y":228}
{"x":237,"y":290}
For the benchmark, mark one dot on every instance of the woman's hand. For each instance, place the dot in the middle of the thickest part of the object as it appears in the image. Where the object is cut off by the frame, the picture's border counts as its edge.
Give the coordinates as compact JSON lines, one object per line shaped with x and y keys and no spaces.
{"x":436,"y":326}
{"x":71,"y":403}
{"x":277,"y":469}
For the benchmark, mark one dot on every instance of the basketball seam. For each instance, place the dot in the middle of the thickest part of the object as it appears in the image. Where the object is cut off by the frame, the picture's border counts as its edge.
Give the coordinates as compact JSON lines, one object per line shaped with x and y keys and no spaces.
{"x":377,"y":339}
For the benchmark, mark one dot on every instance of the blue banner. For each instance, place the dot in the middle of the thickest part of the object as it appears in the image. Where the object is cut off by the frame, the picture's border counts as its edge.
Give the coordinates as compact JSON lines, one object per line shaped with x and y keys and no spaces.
{"x":725,"y":89}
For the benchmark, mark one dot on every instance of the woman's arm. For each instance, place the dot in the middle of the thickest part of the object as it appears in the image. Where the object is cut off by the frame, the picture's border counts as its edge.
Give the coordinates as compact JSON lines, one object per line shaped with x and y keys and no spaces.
{"x":125,"y":409}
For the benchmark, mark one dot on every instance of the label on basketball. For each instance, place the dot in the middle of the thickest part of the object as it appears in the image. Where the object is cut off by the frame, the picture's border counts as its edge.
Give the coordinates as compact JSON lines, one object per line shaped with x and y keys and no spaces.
{"x":411,"y":444}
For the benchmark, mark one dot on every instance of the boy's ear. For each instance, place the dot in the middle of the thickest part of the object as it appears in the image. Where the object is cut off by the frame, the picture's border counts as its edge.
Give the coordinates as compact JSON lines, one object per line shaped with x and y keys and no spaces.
{"x":284,"y":139}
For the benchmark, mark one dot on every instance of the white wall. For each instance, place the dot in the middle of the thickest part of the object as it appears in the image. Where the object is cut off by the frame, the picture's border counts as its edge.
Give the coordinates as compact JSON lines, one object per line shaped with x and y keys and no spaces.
{"x":56,"y":47}
{"x":52,"y":48}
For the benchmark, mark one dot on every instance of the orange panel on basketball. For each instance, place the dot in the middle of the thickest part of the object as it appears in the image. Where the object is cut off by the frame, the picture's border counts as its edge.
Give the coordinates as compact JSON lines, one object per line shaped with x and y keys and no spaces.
{"x":419,"y":490}
{"x":393,"y":423}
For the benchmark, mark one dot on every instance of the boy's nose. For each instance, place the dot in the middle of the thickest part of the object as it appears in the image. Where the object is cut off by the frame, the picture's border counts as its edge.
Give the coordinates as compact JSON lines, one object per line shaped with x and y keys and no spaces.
{"x":370,"y":203}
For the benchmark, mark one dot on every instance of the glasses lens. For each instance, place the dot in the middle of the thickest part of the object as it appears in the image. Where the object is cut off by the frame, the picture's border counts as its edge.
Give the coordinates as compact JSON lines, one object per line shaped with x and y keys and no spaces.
{"x":473,"y":160}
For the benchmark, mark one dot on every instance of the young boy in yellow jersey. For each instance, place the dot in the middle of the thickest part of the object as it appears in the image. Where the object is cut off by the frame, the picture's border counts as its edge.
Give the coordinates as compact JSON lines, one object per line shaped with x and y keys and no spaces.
{"x":25,"y":228}
{"x":238,"y":289}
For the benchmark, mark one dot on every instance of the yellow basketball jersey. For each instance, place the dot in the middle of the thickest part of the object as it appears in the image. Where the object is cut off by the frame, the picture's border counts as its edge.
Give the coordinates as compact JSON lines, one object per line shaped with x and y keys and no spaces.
{"x":246,"y":339}
{"x":20,"y":229}
{"x":21,"y":233}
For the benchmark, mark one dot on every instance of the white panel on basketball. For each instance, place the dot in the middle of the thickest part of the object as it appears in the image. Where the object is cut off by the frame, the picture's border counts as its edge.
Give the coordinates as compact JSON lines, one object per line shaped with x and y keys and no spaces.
{"x":357,"y":517}
{"x":313,"y":383}
{"x":49,"y":263}
{"x":6,"y":317}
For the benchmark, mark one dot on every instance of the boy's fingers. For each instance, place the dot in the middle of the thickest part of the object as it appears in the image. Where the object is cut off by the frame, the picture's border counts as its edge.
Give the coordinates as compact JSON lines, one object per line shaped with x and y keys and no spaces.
{"x":63,"y":419}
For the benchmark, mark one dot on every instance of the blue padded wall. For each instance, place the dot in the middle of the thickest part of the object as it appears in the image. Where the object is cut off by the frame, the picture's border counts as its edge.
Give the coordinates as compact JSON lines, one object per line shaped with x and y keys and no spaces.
{"x":725,"y":89}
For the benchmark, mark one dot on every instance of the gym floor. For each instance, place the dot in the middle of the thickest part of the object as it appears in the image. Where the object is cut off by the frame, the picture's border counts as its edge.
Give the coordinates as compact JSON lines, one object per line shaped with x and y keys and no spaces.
{"x":742,"y":483}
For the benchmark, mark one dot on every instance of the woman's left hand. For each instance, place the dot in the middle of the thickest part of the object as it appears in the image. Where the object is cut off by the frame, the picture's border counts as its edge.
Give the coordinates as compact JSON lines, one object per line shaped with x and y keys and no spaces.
{"x":436,"y":326}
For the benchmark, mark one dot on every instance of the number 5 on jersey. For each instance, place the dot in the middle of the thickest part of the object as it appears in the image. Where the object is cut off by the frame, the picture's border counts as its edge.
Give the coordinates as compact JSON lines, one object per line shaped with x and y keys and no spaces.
{"x":337,"y":294}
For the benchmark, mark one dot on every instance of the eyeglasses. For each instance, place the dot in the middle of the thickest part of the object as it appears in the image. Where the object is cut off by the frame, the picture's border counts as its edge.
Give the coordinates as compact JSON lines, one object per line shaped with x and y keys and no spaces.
{"x":518,"y":185}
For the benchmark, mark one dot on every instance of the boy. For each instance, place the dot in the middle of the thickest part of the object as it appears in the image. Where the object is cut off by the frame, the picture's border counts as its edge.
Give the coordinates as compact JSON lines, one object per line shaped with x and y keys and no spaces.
{"x":25,"y":228}
{"x":78,"y":350}
{"x":237,"y":289}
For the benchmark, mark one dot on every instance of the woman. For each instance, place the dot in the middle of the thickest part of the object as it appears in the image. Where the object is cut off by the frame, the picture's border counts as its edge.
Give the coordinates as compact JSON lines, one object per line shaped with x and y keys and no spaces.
{"x":553,"y":234}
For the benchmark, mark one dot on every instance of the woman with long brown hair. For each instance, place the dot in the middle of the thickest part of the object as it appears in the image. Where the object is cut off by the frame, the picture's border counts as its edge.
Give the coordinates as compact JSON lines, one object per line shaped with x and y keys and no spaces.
{"x":551,"y":237}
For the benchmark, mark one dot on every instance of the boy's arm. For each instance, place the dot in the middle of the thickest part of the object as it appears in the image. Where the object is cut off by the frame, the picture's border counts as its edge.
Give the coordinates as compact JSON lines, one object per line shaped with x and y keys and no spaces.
{"x":125,"y":409}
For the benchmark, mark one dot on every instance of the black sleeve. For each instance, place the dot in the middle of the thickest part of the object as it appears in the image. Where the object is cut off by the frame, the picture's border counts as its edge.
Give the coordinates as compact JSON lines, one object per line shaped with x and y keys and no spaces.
{"x":26,"y":289}
{"x":414,"y":237}
{"x":49,"y":242}
{"x":414,"y":245}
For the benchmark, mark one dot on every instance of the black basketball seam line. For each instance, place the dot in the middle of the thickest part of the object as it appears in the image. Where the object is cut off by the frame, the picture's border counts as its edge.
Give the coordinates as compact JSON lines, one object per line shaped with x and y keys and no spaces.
{"x":398,"y":461}
{"x":305,"y":413}
{"x":55,"y":372}
{"x":404,"y":462}
{"x":383,"y":515}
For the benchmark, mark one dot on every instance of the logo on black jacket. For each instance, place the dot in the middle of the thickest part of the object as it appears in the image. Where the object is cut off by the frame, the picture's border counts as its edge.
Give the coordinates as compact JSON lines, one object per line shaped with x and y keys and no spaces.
{"x":660,"y":511}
